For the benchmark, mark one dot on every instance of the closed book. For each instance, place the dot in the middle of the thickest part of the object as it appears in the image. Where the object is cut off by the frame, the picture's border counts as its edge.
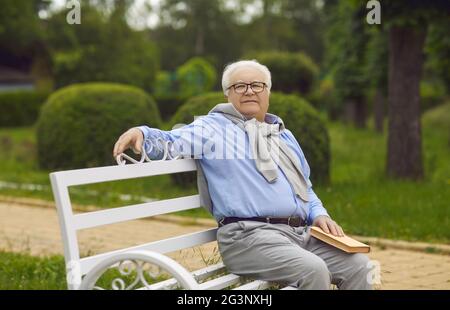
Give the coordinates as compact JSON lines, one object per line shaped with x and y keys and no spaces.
{"x":345,"y":243}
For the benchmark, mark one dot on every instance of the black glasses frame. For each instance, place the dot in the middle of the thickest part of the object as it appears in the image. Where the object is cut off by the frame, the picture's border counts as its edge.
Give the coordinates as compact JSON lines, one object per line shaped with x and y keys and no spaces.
{"x":246,"y":87}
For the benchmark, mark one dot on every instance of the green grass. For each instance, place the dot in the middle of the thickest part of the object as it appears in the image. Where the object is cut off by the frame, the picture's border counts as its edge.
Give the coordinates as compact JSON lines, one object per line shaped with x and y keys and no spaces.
{"x":365,"y":202}
{"x":360,"y":197}
{"x":26,"y":272}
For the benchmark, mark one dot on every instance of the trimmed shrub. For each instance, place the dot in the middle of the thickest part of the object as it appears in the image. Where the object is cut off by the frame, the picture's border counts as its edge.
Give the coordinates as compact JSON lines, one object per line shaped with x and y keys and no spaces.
{"x":310,"y":131}
{"x":291,"y":72}
{"x":79,"y":124}
{"x":166,"y":94}
{"x":195,"y":76}
{"x":20,"y":108}
{"x":197,"y":106}
{"x":299,"y":117}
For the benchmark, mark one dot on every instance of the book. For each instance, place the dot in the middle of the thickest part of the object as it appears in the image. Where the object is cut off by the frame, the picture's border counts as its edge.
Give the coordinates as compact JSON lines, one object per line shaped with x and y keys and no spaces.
{"x":345,"y":243}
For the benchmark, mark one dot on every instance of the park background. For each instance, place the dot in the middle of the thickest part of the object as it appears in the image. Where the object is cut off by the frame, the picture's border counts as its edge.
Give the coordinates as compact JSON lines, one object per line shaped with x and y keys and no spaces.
{"x":369,"y":103}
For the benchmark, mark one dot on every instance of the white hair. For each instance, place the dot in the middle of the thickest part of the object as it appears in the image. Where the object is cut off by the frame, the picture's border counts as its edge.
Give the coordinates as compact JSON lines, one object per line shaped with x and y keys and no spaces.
{"x":230,"y":68}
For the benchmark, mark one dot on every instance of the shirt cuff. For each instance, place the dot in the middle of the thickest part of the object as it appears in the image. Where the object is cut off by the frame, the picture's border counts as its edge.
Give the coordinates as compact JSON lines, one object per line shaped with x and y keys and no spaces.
{"x":150,"y":145}
{"x":315,"y":213}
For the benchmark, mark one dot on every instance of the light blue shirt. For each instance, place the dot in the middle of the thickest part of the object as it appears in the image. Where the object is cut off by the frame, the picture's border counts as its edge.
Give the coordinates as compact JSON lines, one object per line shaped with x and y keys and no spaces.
{"x":236,"y":187}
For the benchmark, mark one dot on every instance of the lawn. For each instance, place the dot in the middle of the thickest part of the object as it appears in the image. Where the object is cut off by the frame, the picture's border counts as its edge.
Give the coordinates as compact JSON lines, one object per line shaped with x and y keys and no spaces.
{"x":21,"y":271}
{"x":26,"y":272}
{"x":359,"y":197}
{"x":365,"y":202}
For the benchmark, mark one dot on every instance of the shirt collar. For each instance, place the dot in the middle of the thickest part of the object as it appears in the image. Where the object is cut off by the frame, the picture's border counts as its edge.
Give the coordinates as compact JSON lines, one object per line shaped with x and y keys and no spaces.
{"x":272,"y":119}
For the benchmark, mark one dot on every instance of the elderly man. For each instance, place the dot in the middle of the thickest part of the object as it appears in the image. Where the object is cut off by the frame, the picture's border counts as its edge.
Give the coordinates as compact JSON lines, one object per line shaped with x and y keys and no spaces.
{"x":254,"y":178}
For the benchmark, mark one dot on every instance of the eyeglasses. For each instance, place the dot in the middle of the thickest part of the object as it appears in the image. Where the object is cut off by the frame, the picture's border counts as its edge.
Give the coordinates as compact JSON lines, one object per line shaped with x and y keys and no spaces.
{"x":241,"y":88}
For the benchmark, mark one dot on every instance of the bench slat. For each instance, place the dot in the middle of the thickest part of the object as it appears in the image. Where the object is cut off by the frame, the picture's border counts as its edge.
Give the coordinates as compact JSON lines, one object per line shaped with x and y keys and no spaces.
{"x":132,"y":212}
{"x":198,"y":275}
{"x":161,"y":246}
{"x":114,"y":173}
{"x":209,"y":271}
{"x":221,"y":283}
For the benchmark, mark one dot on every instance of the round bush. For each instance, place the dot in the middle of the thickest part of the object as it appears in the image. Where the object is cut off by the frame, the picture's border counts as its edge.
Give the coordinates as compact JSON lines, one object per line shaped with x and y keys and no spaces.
{"x":79,"y":124}
{"x":194,"y":77}
{"x":291,"y":72}
{"x":299,"y":117}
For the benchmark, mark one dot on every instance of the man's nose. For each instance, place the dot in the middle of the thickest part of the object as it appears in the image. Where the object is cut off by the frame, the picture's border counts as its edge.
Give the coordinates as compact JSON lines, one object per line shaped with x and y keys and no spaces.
{"x":249,"y":91}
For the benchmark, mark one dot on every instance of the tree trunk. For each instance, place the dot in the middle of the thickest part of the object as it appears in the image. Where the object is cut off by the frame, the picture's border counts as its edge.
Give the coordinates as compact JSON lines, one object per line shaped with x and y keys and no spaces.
{"x":360,"y":113}
{"x":404,"y":158}
{"x":378,"y":110}
{"x":355,"y":112}
{"x":200,"y":42}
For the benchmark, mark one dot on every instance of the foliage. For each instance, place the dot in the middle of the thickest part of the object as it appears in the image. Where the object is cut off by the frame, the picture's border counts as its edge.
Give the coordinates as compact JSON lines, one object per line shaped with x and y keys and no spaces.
{"x":347,"y":57}
{"x":191,"y":28}
{"x":100,"y":49}
{"x":80,"y":123}
{"x":437,"y":49}
{"x":20,"y":30}
{"x":20,"y":108}
{"x":291,"y":72}
{"x":431,"y":93}
{"x":194,"y":77}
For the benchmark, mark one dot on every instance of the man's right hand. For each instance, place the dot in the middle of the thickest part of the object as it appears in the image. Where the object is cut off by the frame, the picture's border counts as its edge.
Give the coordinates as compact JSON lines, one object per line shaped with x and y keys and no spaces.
{"x":132,"y":138}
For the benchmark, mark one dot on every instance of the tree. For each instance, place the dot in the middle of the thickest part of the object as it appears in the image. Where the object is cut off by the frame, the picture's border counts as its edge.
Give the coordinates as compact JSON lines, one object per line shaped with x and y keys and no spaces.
{"x":22,"y":39}
{"x":307,"y":20}
{"x":377,"y":69}
{"x":407,"y":25}
{"x":284,"y":25}
{"x":191,"y":28}
{"x":102,"y":48}
{"x":437,"y":50}
{"x":346,"y":59}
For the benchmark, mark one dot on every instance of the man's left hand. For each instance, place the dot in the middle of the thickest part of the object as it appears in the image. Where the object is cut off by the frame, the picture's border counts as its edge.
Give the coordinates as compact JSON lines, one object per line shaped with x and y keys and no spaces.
{"x":328,"y":225}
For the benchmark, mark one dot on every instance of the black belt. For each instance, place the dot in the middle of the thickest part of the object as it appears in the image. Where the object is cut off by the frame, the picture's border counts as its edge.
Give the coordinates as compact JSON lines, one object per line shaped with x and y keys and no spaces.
{"x":294,"y":221}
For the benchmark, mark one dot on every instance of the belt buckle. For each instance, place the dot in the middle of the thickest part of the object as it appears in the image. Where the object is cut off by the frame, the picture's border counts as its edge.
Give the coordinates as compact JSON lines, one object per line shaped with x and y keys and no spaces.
{"x":221,"y":222}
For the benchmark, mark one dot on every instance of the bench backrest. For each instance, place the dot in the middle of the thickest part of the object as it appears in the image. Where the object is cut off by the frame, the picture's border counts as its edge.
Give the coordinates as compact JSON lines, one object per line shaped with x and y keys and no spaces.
{"x":70,"y":223}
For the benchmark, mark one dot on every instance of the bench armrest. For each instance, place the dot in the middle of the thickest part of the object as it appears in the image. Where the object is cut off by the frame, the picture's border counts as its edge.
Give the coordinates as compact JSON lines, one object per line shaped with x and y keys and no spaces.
{"x":134,"y":265}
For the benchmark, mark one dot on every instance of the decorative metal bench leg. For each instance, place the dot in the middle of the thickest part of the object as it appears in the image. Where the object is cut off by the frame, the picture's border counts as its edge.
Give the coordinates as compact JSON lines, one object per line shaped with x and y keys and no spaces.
{"x":134,"y":271}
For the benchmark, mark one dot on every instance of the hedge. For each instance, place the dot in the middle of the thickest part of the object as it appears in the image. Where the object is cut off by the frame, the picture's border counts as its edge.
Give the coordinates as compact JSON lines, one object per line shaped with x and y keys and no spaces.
{"x":20,"y":108}
{"x":79,"y":124}
{"x":291,"y":72}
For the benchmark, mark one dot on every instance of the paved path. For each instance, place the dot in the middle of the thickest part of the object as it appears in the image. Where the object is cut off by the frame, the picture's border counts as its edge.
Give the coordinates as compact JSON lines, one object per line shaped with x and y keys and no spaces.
{"x":35,"y":230}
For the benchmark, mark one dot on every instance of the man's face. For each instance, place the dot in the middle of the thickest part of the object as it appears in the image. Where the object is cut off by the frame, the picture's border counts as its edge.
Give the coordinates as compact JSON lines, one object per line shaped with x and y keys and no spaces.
{"x":249,"y":103}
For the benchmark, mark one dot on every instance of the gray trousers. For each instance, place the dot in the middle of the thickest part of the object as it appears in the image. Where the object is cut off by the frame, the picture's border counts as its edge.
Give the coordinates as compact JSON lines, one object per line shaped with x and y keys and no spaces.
{"x":289,"y":256}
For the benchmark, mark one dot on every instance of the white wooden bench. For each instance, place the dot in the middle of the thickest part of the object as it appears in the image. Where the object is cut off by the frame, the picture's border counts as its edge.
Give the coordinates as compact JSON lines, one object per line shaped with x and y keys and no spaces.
{"x":138,"y":262}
